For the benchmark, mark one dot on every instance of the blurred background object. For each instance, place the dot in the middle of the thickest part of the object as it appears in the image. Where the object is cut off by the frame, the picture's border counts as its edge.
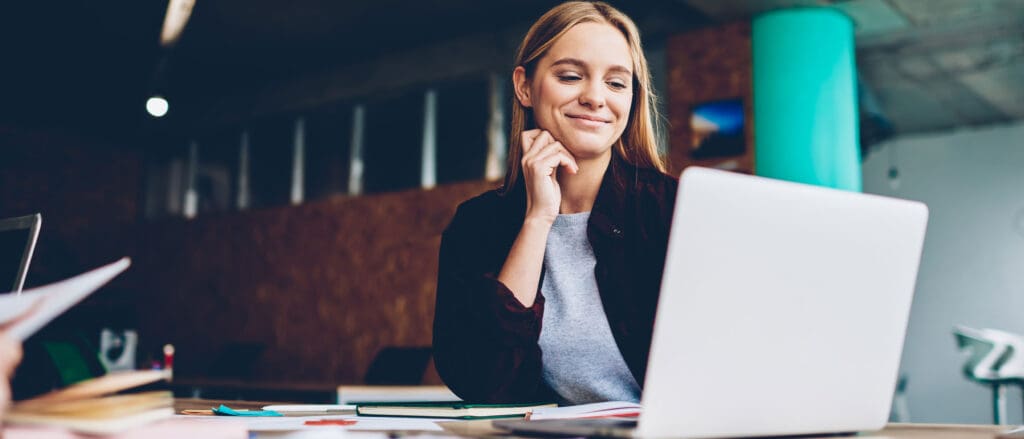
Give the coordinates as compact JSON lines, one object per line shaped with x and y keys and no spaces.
{"x":995,"y":359}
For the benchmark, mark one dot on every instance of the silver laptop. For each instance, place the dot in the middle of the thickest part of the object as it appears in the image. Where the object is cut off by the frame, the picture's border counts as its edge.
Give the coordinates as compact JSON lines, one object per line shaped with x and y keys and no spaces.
{"x":783,"y":311}
{"x":17,"y":243}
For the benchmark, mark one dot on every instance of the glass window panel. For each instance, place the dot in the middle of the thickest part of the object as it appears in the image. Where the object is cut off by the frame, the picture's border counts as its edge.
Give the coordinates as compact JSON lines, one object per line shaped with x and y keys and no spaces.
{"x":393,"y":143}
{"x":328,"y":139}
{"x":270,"y":161}
{"x":462,"y":116}
{"x":165,"y":177}
{"x":216,"y":175}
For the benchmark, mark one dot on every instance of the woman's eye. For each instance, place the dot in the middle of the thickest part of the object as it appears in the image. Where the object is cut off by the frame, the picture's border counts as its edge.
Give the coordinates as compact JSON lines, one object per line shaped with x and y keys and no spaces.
{"x":617,"y":85}
{"x":569,"y":78}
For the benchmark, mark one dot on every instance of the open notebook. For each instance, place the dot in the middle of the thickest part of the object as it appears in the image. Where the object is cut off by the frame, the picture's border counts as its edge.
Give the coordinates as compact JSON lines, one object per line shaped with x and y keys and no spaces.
{"x":92,"y":407}
{"x":447,"y":409}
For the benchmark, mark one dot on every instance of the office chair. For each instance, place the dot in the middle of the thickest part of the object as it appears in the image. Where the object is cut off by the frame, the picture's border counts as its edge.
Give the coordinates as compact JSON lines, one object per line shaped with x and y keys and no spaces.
{"x":996,"y":359}
{"x":401,"y":366}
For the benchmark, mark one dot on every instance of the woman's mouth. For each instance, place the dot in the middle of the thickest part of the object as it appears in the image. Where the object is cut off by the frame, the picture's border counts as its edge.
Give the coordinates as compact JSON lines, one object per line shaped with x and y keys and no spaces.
{"x":588,"y":121}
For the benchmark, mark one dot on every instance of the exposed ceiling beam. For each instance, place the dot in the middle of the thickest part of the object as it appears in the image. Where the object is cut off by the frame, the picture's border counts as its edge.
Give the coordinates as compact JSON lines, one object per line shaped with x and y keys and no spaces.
{"x":948,"y":35}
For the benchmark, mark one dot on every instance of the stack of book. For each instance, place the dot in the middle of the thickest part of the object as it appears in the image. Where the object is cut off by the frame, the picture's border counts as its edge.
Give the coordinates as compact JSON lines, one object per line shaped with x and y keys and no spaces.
{"x":93,"y":407}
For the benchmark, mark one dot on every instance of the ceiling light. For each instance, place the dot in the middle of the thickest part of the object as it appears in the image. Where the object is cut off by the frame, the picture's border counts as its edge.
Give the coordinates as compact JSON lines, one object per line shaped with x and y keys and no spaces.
{"x":157,"y":106}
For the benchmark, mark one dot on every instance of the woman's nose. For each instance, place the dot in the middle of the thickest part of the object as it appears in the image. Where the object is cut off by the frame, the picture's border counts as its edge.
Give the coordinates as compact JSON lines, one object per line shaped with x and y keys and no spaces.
{"x":592,"y":95}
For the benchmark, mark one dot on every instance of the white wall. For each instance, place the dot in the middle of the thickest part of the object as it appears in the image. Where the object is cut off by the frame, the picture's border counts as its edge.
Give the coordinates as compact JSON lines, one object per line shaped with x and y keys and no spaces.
{"x":972,"y":270}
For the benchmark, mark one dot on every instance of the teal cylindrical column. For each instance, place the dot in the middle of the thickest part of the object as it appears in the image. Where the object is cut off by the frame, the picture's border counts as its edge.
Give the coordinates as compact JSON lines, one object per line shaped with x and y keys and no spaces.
{"x":805,"y":98}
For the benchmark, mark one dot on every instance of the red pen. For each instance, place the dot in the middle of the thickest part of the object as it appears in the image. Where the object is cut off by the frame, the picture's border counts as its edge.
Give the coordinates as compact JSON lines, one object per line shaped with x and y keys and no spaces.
{"x":169,"y":357}
{"x":331,"y":422}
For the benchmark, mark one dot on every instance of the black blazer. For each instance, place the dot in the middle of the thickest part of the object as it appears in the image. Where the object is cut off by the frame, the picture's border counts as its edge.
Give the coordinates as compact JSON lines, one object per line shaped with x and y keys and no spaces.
{"x":486,"y":342}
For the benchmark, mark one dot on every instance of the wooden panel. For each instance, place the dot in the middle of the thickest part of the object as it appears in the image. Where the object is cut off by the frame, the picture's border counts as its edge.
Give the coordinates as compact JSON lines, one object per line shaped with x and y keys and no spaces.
{"x":705,"y":65}
{"x":86,"y":188}
{"x":322,"y":286}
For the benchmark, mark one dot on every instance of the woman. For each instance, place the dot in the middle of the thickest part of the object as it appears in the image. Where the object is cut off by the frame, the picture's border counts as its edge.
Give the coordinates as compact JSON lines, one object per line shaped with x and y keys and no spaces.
{"x":575,"y":241}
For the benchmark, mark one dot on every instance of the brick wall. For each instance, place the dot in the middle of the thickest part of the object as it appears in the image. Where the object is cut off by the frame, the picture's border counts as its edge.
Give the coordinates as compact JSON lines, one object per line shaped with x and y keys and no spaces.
{"x":705,"y":65}
{"x":320,"y":286}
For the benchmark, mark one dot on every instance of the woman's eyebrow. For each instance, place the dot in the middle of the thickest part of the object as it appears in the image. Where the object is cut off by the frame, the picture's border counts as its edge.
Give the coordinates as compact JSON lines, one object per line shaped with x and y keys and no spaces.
{"x":583,"y":65}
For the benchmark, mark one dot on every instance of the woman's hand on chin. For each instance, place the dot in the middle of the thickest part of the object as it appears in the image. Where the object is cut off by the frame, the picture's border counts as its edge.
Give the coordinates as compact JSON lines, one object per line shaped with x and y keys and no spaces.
{"x":542,"y":156}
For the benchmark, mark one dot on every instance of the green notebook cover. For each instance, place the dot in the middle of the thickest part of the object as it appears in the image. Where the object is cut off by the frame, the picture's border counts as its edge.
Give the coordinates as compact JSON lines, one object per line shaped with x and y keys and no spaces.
{"x":447,"y":409}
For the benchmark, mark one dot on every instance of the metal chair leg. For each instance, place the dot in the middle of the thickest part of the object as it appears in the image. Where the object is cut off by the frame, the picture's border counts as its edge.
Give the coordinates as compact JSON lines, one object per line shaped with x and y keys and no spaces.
{"x":999,"y":403}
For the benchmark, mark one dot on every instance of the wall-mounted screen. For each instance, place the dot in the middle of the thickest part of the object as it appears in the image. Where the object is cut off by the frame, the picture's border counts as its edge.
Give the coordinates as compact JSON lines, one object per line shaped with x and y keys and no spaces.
{"x":717,"y":129}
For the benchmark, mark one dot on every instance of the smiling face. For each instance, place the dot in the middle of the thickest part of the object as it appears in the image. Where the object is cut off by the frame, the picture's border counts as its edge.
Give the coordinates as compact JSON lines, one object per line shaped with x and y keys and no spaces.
{"x":582,"y":89}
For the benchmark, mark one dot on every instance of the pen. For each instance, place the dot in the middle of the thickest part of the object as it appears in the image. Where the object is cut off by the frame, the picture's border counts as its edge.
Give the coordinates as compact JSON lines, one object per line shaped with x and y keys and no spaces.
{"x":312,"y":409}
{"x":169,"y":357}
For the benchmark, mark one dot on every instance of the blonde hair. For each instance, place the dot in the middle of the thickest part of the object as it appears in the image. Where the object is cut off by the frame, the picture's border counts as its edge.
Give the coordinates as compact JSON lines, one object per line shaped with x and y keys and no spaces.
{"x":638,"y":144}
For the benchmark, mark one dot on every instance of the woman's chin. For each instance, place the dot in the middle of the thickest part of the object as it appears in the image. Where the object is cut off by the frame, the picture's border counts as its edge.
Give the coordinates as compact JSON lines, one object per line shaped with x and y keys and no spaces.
{"x":589,"y":150}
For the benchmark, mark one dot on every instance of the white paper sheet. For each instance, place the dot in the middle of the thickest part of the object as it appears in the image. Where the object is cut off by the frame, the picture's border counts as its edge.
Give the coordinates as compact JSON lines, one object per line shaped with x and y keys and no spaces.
{"x":261,"y":424}
{"x":339,"y":433}
{"x":53,"y":299}
{"x":312,"y":409}
{"x":592,"y":410}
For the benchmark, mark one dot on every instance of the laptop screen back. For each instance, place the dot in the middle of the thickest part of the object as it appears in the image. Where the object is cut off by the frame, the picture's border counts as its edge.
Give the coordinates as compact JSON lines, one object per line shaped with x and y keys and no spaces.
{"x":17,"y":243}
{"x":783,"y":309}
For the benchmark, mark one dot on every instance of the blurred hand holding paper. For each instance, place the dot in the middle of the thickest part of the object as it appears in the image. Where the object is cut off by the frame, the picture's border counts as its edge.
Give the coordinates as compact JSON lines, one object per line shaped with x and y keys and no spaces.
{"x":52,"y":300}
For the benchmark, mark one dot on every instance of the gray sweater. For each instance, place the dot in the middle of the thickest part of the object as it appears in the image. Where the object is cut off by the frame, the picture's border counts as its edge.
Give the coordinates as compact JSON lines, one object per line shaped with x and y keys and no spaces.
{"x":581,"y":360}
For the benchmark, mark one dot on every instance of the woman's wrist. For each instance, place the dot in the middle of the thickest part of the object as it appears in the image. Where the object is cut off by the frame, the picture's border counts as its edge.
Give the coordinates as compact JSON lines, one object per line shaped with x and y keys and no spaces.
{"x":539,"y":221}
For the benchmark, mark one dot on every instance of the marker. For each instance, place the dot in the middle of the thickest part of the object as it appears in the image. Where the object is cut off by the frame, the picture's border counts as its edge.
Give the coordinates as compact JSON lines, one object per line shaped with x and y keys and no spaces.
{"x":169,"y":358}
{"x":331,"y":422}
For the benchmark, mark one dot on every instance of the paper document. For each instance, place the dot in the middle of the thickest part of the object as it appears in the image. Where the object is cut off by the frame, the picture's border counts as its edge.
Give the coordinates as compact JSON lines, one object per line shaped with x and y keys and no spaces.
{"x":347,"y":434}
{"x":1012,"y":433}
{"x":346,"y":422}
{"x":167,"y":429}
{"x":610,"y":409}
{"x":52,"y":300}
{"x":312,"y":409}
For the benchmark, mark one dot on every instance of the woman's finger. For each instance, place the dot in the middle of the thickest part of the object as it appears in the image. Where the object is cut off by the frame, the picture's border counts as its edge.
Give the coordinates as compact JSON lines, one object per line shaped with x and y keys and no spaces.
{"x":5,"y":395}
{"x":24,"y":315}
{"x":557,"y":149}
{"x":556,"y":157}
{"x":544,"y":144}
{"x":539,"y":149}
{"x":528,"y":137}
{"x":10,"y":354}
{"x":542,"y":139}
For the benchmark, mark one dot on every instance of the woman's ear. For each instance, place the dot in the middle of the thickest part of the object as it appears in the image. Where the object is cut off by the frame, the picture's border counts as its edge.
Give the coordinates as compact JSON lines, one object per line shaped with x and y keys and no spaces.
{"x":521,"y":85}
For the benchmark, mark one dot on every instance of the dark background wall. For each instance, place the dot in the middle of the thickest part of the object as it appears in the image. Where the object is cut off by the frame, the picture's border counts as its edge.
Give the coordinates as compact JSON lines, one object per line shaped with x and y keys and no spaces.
{"x":311,"y":292}
{"x":321,"y":286}
{"x":86,"y":187}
